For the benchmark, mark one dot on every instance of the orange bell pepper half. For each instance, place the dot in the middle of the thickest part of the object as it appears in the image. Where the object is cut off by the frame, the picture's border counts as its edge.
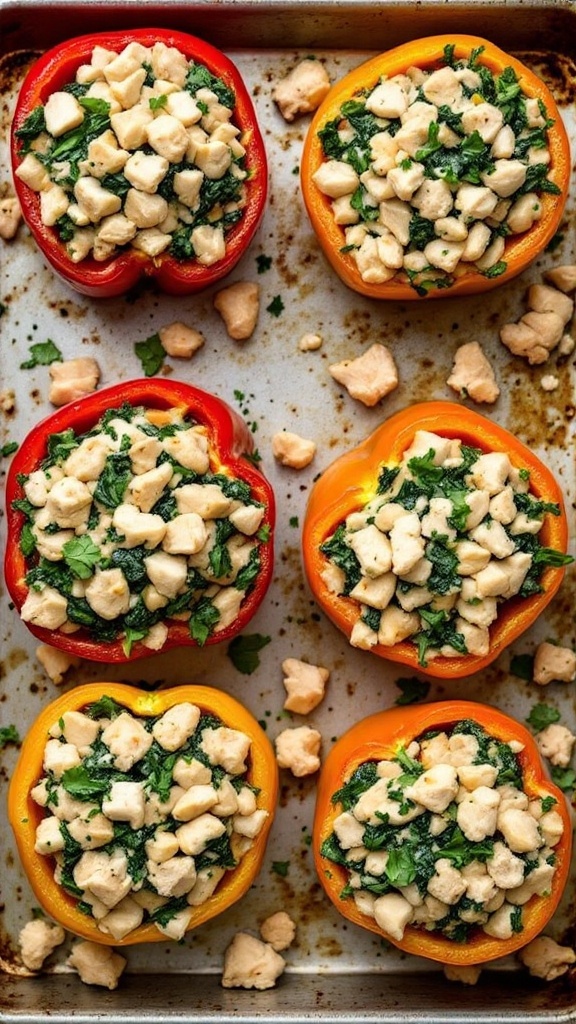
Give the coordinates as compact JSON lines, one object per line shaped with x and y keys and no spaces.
{"x":427,"y":54}
{"x":378,"y":737}
{"x":25,"y":814}
{"x":349,"y":483}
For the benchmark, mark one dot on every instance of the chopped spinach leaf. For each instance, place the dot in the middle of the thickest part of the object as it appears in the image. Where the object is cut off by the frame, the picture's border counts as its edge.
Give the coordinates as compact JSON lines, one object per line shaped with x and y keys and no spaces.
{"x":243,"y":651}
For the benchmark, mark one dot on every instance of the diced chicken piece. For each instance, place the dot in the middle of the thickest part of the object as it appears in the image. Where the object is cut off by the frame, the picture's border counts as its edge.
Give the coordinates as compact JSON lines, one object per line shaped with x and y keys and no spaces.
{"x":335,"y":178}
{"x":349,"y":831}
{"x":539,"y":881}
{"x":466,"y":975}
{"x":105,"y":875}
{"x":490,"y":472}
{"x":372,"y":549}
{"x":396,"y":625}
{"x":447,"y":883}
{"x":207,"y":880}
{"x":524,"y":213}
{"x":185,"y":535}
{"x":189,"y":448}
{"x":392,"y":912}
{"x":174,"y":877}
{"x":169,"y":63}
{"x":377,"y":593}
{"x":369,"y":263}
{"x":310,"y":342}
{"x":383,"y":152}
{"x":33,"y":173}
{"x":506,"y":870}
{"x":97,"y":964}
{"x":433,"y":199}
{"x":49,"y":839}
{"x":407,"y":543}
{"x":492,"y":536}
{"x":250,"y":825}
{"x":471,"y":776}
{"x":556,"y":743}
{"x":302,"y":90}
{"x":47,"y":608}
{"x":195,"y":801}
{"x":146,"y":488}
{"x":167,"y":136}
{"x":180,"y":341}
{"x":298,"y":750}
{"x":167,"y":572}
{"x":194,"y":836}
{"x":226,"y":747}
{"x":435,"y":520}
{"x":476,"y":202}
{"x":554,"y":663}
{"x":396,"y":216}
{"x":108,"y":593}
{"x":472,"y":374}
{"x":213,"y":158}
{"x":452,"y":229}
{"x":563,"y":277}
{"x":389,"y":99}
{"x":227,"y":602}
{"x":362,"y":636}
{"x":543,"y":299}
{"x":478,"y":813}
{"x":444,"y":255}
{"x":483,"y":118}
{"x":37,"y":940}
{"x":292,"y":450}
{"x":152,"y":241}
{"x":10,"y":217}
{"x":73,"y":379}
{"x":125,"y":802}
{"x":208,"y":244}
{"x":208,"y":501}
{"x":145,"y":211}
{"x":278,"y":930}
{"x":546,"y":959}
{"x":405,"y":181}
{"x":62,"y":112}
{"x":500,"y":924}
{"x":250,"y":963}
{"x":122,"y":919}
{"x":55,"y":662}
{"x":472,"y":557}
{"x":127,"y":740}
{"x":435,"y":788}
{"x":176,"y":725}
{"x":369,"y":377}
{"x":505,"y":177}
{"x":305,"y":685}
{"x":138,"y":527}
{"x":239,"y":305}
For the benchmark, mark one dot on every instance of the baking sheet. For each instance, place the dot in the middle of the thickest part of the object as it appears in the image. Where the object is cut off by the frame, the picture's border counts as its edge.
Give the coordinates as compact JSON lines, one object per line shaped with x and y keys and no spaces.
{"x":335,"y":971}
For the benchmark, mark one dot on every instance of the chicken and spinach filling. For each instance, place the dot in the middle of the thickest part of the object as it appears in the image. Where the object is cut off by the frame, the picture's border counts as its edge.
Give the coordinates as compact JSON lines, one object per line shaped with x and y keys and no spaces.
{"x":139,"y":151}
{"x":443,"y":837}
{"x":429,"y":172}
{"x":127,"y":528}
{"x":451,"y":533}
{"x":145,"y":815}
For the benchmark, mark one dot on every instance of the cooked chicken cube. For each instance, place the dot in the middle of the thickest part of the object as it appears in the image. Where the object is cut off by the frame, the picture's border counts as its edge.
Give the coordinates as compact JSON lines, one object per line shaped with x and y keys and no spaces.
{"x":472,"y":374}
{"x":292,"y":450}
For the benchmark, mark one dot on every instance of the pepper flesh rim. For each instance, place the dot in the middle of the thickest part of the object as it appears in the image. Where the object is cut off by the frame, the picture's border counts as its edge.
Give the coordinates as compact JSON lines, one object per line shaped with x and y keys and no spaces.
{"x":230,"y":441}
{"x":520,"y":250}
{"x":350,"y":481}
{"x":122,"y":272}
{"x":24,"y":813}
{"x":377,"y":737}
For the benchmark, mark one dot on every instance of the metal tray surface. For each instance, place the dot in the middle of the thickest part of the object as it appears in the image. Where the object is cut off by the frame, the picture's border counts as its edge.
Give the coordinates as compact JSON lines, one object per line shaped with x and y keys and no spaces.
{"x":336,"y":972}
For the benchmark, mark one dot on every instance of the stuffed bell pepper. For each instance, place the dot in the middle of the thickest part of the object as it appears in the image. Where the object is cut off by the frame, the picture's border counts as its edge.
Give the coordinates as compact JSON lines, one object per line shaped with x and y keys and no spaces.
{"x":438,"y":168}
{"x":437,"y":541}
{"x":137,"y":522}
{"x":437,"y":828}
{"x":139,"y":816}
{"x":138,"y":153}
